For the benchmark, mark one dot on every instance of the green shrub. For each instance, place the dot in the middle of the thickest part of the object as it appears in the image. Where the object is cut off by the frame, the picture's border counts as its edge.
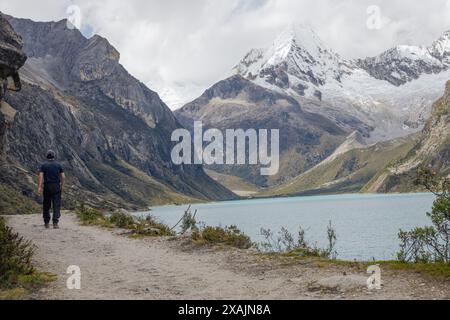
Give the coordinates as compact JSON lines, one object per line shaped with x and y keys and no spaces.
{"x":432,"y":243}
{"x":150,"y":227}
{"x":89,"y":216}
{"x":122,"y":220}
{"x":188,"y":221}
{"x":286,"y":243}
{"x":231,"y":236}
{"x":15,"y":255}
{"x":17,"y":274}
{"x":138,"y":227}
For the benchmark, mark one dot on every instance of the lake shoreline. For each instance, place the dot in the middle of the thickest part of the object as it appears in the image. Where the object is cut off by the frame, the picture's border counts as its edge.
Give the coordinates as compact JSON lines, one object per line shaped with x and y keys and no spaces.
{"x":362,"y":215}
{"x":115,"y":266}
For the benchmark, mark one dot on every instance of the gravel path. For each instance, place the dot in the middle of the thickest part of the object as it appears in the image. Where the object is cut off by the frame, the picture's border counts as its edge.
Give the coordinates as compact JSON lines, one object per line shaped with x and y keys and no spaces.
{"x":114,"y":266}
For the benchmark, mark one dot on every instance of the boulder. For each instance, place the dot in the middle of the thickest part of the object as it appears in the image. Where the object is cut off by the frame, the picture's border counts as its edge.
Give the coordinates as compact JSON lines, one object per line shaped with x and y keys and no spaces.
{"x":11,"y":55}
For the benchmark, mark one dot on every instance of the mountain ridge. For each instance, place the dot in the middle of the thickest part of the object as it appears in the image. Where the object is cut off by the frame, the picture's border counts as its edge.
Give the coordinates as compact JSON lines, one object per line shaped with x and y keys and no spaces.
{"x":368,"y":89}
{"x":110,"y":131}
{"x":431,"y":151}
{"x":349,"y":93}
{"x":305,"y":138}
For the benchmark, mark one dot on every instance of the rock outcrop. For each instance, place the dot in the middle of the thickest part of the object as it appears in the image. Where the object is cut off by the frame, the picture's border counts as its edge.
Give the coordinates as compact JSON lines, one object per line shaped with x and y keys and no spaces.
{"x":11,"y":59}
{"x":11,"y":55}
{"x":431,"y":151}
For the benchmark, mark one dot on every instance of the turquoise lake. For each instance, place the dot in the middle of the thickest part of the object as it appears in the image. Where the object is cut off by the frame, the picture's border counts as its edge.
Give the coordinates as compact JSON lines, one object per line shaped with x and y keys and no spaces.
{"x":367,"y":225}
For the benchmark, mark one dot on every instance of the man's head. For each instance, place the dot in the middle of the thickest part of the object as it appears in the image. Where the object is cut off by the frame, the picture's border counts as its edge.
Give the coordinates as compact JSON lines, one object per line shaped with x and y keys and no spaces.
{"x":50,"y":155}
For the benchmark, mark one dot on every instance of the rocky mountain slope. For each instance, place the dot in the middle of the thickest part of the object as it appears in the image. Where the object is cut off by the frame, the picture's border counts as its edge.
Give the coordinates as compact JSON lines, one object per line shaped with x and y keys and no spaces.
{"x":305,"y":138}
{"x":110,"y":131}
{"x":432,"y":150}
{"x":12,"y":59}
{"x":347,"y":170}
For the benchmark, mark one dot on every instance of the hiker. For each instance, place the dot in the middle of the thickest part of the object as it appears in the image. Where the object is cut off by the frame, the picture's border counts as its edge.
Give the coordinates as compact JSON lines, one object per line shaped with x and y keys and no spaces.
{"x":51,"y":174}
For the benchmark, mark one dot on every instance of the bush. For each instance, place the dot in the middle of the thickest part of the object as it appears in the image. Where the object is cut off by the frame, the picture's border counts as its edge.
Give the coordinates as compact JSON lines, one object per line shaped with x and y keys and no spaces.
{"x":122,"y":220}
{"x":188,"y":221}
{"x":138,"y":227}
{"x":432,"y":243}
{"x":231,"y":236}
{"x":285,"y":242}
{"x":150,"y":227}
{"x":15,"y":255}
{"x":17,"y":274}
{"x":89,"y":216}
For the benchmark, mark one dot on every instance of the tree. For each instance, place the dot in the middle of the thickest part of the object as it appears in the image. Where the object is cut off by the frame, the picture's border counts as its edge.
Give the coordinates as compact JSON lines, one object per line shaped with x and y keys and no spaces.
{"x":430,"y":244}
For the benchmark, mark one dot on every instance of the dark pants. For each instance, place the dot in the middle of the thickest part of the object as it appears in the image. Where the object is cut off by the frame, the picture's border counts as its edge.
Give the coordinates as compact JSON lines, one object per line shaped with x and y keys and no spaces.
{"x":52,"y":198}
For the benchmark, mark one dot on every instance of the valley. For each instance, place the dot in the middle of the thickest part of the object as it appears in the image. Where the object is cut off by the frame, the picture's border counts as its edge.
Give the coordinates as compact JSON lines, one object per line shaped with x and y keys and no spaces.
{"x":345,"y":126}
{"x":342,"y":122}
{"x":292,"y":176}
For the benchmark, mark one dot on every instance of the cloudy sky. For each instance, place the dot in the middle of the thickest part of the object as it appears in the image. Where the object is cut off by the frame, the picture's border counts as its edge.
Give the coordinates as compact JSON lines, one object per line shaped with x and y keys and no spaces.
{"x":181,"y":47}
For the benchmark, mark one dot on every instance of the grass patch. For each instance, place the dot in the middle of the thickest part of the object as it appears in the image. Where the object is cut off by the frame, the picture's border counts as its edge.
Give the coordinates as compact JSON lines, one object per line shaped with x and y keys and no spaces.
{"x":119,"y":219}
{"x":306,"y":252}
{"x":436,"y":270}
{"x":17,"y":275}
{"x":439,"y":270}
{"x":230,"y":236}
{"x":122,"y":220}
{"x":21,"y":285}
{"x":91,"y":216}
{"x":13,"y":202}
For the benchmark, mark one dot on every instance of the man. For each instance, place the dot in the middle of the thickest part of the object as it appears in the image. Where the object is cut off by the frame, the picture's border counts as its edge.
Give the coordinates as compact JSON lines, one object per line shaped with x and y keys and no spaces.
{"x":52,"y":175}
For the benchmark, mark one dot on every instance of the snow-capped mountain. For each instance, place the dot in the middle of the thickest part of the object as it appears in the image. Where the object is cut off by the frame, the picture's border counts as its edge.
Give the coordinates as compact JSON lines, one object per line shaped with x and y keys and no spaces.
{"x":402,"y":64}
{"x":392,"y":92}
{"x":324,"y":104}
{"x":297,"y":60}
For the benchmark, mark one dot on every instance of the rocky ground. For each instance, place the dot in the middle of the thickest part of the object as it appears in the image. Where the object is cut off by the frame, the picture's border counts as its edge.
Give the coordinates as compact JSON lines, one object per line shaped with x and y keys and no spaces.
{"x":115,"y":266}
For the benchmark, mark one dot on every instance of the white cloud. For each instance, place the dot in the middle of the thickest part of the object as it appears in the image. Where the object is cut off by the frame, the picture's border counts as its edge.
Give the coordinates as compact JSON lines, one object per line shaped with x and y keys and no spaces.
{"x":176,"y":43}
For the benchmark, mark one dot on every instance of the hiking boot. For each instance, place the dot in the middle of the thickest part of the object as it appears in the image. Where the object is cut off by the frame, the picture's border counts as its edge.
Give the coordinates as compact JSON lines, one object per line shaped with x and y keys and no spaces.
{"x":55,"y":226}
{"x":47,"y":226}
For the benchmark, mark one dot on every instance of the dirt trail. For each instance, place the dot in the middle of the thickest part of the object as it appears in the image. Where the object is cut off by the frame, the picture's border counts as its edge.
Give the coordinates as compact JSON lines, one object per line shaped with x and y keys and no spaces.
{"x":114,"y":266}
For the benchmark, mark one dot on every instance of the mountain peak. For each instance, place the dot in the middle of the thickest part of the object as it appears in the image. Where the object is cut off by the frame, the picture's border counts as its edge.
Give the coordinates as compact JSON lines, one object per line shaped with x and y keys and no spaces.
{"x":441,"y":47}
{"x":297,"y":59}
{"x":295,"y":37}
{"x":103,"y":47}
